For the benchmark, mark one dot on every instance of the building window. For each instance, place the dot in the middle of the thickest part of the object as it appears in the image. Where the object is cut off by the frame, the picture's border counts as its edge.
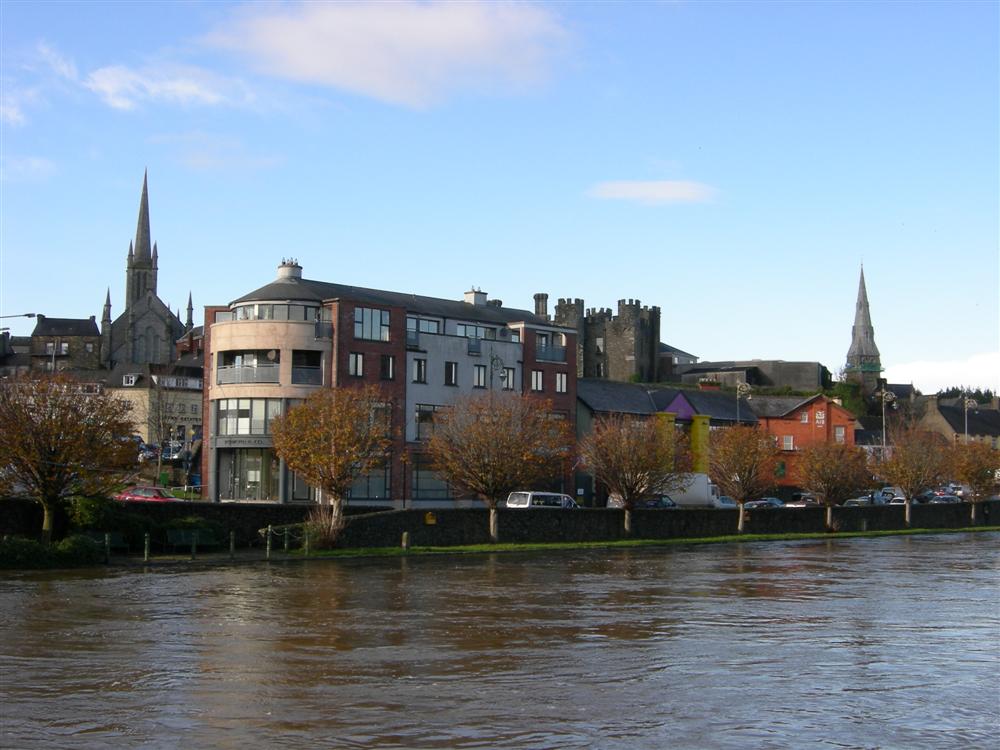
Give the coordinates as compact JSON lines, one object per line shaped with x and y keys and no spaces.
{"x":419,"y":370}
{"x":838,"y":434}
{"x":425,"y":420}
{"x":537,"y":383}
{"x":426,"y":484}
{"x":599,"y":370}
{"x":542,"y":340}
{"x":508,"y":378}
{"x":245,"y":416}
{"x":89,"y":348}
{"x":423,"y":325}
{"x":388,"y":369}
{"x":50,"y":347}
{"x":475,"y":332}
{"x":804,"y":417}
{"x":600,"y":346}
{"x":356,"y":364}
{"x":451,"y":373}
{"x":787,"y":442}
{"x":375,"y":485}
{"x":479,"y":376}
{"x":820,"y":417}
{"x":371,"y":324}
{"x":561,"y":382}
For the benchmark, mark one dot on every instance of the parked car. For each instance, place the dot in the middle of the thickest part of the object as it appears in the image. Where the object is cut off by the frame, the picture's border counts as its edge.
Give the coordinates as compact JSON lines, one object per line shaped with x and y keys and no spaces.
{"x":764,"y":502}
{"x":532,"y":499}
{"x":663,"y":501}
{"x":147,"y":494}
{"x":724,"y":501}
{"x":173,"y":450}
{"x":802,"y":500}
{"x":148,"y":452}
{"x":944,"y":499}
{"x":860,"y":502}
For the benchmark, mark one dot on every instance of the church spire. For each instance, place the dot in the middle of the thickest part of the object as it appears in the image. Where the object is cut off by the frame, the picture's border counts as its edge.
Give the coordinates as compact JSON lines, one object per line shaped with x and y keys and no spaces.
{"x":106,"y":317}
{"x":863,"y":360}
{"x":190,"y":315}
{"x":142,"y":242}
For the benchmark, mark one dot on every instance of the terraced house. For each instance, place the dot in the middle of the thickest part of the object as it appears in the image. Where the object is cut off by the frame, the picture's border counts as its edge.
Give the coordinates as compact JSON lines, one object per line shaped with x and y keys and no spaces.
{"x":271,"y":348}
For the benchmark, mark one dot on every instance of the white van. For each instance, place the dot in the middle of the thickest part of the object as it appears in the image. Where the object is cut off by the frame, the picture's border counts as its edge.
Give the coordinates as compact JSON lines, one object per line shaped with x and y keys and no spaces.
{"x":540,"y":500}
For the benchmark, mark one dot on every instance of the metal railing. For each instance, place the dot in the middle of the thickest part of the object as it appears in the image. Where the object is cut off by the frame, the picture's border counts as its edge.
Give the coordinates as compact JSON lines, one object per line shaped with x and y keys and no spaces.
{"x":324,"y":329}
{"x":307,"y":376}
{"x":551,"y":353}
{"x":239,"y":375}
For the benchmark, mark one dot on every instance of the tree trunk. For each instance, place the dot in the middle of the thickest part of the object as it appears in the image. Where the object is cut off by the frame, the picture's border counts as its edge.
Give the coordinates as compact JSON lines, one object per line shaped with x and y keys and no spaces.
{"x":739,"y":523}
{"x":47,"y":516}
{"x":907,"y":516}
{"x":494,"y":530}
{"x":628,"y":522}
{"x":829,"y":518}
{"x":972,"y":512}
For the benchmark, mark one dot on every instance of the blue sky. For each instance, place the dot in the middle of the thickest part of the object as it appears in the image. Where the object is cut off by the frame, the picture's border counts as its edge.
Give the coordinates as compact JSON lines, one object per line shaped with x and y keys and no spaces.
{"x":732,"y":163}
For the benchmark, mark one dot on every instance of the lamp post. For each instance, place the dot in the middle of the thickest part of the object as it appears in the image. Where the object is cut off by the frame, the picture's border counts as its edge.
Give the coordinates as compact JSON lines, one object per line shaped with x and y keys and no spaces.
{"x":968,"y":403}
{"x":742,"y":389}
{"x":20,"y":315}
{"x":886,"y":397}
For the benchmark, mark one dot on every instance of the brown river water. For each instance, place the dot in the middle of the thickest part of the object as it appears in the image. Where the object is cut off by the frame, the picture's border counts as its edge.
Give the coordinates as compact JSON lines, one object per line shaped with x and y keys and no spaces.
{"x":857,"y":643}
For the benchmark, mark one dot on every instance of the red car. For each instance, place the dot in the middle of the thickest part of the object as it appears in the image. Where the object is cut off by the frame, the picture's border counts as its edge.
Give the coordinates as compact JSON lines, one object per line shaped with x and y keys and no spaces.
{"x":147,"y":494}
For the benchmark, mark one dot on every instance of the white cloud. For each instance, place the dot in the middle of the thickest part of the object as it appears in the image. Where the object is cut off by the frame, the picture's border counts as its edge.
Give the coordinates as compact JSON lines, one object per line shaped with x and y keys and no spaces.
{"x":653,"y":192}
{"x":26,"y":169}
{"x":977,"y":371}
{"x":57,"y":63}
{"x":11,"y":111}
{"x":124,"y":88}
{"x":408,"y":53}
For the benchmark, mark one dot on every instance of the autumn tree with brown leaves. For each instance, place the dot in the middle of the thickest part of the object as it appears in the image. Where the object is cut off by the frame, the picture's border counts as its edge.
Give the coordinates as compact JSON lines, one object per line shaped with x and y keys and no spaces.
{"x":742,"y":463}
{"x":492,"y":444}
{"x":60,"y":439}
{"x":976,"y":465}
{"x":834,"y":472}
{"x":636,"y":458}
{"x":917,"y":460}
{"x":329,"y":440}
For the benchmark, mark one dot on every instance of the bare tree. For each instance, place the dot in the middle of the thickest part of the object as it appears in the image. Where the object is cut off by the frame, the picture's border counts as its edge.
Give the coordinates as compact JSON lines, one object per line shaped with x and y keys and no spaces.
{"x":494,"y":443}
{"x":61,"y":438}
{"x":917,"y":460}
{"x":976,"y":465}
{"x":742,"y":463}
{"x":636,"y":458}
{"x":834,"y":472}
{"x":333,"y":437}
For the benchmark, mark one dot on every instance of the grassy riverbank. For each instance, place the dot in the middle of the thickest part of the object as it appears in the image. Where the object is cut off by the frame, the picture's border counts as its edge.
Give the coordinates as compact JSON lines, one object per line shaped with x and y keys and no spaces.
{"x":475,"y":549}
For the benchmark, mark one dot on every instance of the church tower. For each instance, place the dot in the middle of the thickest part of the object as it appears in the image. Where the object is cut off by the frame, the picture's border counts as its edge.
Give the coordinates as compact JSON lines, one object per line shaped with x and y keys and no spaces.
{"x":140,"y":273}
{"x":864,"y":364}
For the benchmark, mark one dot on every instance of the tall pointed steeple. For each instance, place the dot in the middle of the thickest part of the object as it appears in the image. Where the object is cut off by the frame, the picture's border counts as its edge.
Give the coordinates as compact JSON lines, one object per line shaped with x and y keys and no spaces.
{"x":143,"y":246}
{"x":189,"y":324}
{"x":864,"y":363}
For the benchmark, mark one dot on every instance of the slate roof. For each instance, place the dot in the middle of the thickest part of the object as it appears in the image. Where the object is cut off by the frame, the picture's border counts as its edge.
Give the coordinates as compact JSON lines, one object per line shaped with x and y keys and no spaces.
{"x":982,"y":421}
{"x":777,"y":406}
{"x":903,"y":391}
{"x":65,"y":327}
{"x":667,"y":349}
{"x":308,"y":290}
{"x":611,"y":397}
{"x":720,"y":406}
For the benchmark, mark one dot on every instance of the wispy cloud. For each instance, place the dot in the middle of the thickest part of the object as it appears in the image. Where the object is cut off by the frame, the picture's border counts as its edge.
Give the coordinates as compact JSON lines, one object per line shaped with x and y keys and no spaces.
{"x":653,"y":192}
{"x":55,"y":62}
{"x":125,"y":88}
{"x":408,"y":53}
{"x":203,"y":151}
{"x":976,"y":371}
{"x":26,"y":169}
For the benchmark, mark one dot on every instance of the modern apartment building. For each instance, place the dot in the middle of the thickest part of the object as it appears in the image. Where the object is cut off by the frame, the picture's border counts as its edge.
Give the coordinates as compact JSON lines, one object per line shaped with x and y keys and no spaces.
{"x":271,"y":348}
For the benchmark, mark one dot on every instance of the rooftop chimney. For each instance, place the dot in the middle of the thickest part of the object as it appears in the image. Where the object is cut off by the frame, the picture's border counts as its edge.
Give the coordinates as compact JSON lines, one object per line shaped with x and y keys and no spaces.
{"x":289,"y":269}
{"x":542,"y":305}
{"x":475,"y":297}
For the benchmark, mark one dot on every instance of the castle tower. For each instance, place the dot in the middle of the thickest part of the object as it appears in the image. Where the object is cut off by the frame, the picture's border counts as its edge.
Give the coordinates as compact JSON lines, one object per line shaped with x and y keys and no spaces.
{"x":864,"y":363}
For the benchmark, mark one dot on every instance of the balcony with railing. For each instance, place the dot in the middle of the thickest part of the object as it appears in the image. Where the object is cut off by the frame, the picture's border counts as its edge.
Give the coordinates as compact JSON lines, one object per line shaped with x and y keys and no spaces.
{"x":551,"y":353}
{"x":324,"y":329}
{"x":307,"y":376}
{"x":243,"y":374}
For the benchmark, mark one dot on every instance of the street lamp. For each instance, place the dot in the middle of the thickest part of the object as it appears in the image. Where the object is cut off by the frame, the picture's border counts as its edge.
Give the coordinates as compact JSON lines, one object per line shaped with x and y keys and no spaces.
{"x":886,"y":397}
{"x":742,"y":389}
{"x":968,"y":403}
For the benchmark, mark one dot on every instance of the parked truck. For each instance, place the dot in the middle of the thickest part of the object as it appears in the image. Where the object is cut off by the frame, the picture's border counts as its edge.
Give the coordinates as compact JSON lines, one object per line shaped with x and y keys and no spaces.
{"x":700,"y":492}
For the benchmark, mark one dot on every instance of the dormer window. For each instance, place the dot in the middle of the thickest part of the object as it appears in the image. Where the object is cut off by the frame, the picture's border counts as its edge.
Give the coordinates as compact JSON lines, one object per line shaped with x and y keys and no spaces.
{"x":130,"y":380}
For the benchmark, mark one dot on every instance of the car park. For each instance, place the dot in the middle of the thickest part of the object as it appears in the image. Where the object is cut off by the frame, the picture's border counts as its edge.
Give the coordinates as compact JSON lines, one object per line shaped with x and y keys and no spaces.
{"x":530,"y":499}
{"x":147,"y":495}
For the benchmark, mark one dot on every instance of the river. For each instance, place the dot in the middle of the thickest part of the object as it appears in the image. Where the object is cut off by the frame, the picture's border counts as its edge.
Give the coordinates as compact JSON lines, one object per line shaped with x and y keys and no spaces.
{"x":853,"y":643}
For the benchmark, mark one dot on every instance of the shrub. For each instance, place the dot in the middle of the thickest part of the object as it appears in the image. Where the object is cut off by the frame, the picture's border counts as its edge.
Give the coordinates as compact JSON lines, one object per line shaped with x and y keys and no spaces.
{"x":78,"y":550}
{"x":18,"y":552}
{"x":197,"y":522}
{"x":25,"y":554}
